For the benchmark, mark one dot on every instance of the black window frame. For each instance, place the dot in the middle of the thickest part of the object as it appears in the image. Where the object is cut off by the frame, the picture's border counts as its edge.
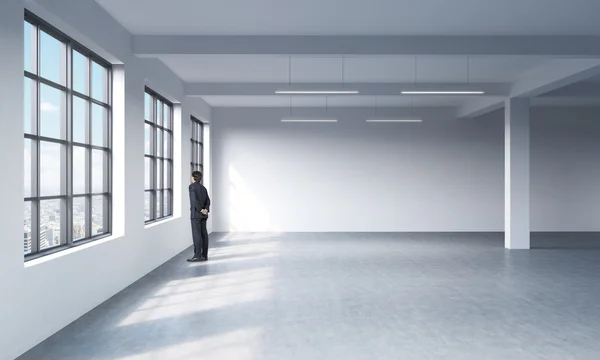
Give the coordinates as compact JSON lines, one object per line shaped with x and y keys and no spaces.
{"x":197,"y":146}
{"x":155,"y":190}
{"x":67,"y":144}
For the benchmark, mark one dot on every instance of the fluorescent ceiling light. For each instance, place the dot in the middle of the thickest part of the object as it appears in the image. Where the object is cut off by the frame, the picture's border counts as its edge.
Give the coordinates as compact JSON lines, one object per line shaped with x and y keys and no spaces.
{"x":443,"y":92}
{"x":394,"y":120}
{"x":308,"y":120}
{"x":316,"y":92}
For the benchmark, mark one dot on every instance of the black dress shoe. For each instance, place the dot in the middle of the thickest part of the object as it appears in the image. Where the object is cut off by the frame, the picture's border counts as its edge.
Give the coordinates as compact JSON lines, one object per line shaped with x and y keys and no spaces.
{"x":194,"y":259}
{"x":203,"y":259}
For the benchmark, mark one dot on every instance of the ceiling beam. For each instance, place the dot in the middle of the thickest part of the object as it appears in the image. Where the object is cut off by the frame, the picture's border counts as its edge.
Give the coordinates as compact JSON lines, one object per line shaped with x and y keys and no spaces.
{"x":581,"y":89}
{"x":571,"y":46}
{"x":478,"y":107}
{"x":565,"y":101}
{"x":553,"y":75}
{"x":542,"y":80}
{"x":372,"y":89}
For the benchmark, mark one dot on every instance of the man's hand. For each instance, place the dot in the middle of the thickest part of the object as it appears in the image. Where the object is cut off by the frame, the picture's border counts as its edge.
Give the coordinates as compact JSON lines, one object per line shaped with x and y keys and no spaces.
{"x":204,"y":212}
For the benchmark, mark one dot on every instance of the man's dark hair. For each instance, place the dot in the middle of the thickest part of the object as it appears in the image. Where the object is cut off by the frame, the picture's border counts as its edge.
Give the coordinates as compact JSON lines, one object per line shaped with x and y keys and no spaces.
{"x":197,"y":175}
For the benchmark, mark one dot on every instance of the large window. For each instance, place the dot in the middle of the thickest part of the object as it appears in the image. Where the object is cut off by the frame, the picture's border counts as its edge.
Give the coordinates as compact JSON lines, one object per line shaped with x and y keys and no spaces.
{"x":158,"y":174}
{"x":197,"y":145}
{"x":67,"y":146}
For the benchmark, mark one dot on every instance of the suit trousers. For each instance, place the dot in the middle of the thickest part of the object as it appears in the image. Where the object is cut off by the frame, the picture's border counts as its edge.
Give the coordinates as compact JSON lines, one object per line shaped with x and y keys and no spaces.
{"x":200,"y":237}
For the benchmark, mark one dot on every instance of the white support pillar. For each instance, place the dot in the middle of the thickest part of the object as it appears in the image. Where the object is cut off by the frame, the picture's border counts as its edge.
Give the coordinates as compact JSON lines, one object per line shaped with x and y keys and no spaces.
{"x":516,"y":174}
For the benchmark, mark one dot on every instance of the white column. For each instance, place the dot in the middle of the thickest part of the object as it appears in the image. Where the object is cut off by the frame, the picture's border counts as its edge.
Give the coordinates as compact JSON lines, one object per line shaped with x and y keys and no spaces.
{"x":516,"y":174}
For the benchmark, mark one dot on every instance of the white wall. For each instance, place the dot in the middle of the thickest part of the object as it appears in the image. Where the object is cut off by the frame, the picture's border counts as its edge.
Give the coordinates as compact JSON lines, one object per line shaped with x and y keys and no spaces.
{"x":565,"y":169}
{"x":41,"y":296}
{"x":440,"y":175}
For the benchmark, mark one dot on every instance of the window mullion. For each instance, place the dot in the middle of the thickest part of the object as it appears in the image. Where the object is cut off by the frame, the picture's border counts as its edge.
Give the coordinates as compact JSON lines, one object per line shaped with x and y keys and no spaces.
{"x":38,"y":227}
{"x":69,"y":147}
{"x":155,"y":153}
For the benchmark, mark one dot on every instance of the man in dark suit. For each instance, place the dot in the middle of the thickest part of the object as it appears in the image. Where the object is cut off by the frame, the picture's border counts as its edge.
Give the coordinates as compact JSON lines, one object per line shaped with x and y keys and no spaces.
{"x":199,"y":209}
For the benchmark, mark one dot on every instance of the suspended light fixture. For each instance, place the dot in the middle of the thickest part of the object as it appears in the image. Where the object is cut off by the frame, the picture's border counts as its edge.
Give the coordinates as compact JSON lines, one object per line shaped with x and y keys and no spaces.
{"x":288,"y":119}
{"x":316,"y":92}
{"x":435,"y":92}
{"x":395,"y":119}
{"x":443,"y":92}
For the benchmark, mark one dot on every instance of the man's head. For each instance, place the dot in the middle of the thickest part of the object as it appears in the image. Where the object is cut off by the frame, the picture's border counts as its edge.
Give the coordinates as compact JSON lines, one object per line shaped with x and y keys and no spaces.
{"x":196,"y":176}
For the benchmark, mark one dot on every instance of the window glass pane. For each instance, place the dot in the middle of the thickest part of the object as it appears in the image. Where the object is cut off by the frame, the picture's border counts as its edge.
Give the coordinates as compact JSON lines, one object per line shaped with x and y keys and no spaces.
{"x":159,"y":142}
{"x":29,"y":106}
{"x":52,"y":112}
{"x":148,"y":139}
{"x":99,"y":80}
{"x":194,"y":159}
{"x":166,"y":203}
{"x":147,"y":107}
{"x":27,"y":228}
{"x":28,"y":153}
{"x":80,"y":120}
{"x":158,"y":108}
{"x":147,"y":206}
{"x":80,"y":73}
{"x":79,"y":218}
{"x":200,"y":132}
{"x":167,"y":116}
{"x":98,"y":215}
{"x":159,"y":164}
{"x":30,"y":48}
{"x":79,"y":170}
{"x":98,"y":166}
{"x":52,"y":59}
{"x":167,"y":144}
{"x":159,"y":198}
{"x":51,"y":161}
{"x":167,"y":175}
{"x":147,"y":173}
{"x":99,"y":126}
{"x":50,"y":227}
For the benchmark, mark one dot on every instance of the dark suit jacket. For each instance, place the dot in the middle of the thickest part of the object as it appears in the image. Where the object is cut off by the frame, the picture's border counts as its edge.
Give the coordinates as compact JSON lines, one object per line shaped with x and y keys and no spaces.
{"x":199,"y":200}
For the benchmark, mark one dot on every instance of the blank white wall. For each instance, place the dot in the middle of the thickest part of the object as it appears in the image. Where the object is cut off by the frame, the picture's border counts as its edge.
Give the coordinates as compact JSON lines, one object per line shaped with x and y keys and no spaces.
{"x":441,"y":175}
{"x":565,"y":169}
{"x":40,"y":297}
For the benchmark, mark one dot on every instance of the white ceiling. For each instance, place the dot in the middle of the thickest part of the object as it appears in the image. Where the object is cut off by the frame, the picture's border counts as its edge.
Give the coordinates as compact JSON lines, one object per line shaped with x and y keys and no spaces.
{"x":435,"y":18}
{"x":374,"y":69}
{"x":357,"y":17}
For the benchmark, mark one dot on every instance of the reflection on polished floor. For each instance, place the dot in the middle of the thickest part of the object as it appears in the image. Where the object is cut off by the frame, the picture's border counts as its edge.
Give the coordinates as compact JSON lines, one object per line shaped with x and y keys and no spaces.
{"x":353,"y":296}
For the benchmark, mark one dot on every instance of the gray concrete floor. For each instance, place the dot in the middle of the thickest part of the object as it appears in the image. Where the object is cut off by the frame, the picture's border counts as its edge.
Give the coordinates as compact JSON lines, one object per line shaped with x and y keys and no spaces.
{"x":353,"y":296}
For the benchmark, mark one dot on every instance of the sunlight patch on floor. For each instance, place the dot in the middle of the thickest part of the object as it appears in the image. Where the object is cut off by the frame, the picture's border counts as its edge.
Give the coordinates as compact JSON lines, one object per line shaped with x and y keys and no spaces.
{"x":181,"y":297}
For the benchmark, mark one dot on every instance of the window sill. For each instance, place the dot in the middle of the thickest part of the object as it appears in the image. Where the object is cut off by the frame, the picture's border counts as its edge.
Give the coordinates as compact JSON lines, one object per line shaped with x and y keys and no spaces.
{"x":69,"y":251}
{"x":160,"y":221}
